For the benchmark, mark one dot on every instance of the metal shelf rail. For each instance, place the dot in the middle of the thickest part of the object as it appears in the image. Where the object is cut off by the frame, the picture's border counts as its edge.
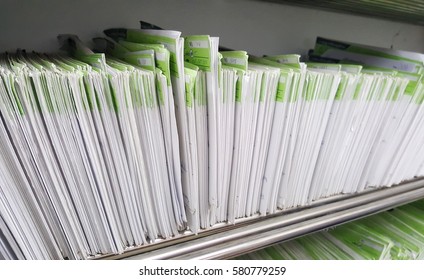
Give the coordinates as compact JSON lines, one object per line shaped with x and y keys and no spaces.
{"x":398,"y":10}
{"x":249,"y":234}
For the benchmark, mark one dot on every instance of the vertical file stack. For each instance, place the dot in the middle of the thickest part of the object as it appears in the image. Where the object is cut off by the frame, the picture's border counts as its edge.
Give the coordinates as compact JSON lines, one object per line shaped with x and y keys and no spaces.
{"x":154,"y":134}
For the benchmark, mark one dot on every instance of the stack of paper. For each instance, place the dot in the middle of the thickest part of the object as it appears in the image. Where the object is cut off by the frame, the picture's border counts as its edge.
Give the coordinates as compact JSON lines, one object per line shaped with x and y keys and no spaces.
{"x":265,"y":118}
{"x":315,"y":105}
{"x":254,"y":111}
{"x":304,"y":102}
{"x":226,"y":118}
{"x":85,"y":168}
{"x":327,"y":50}
{"x":155,"y":133}
{"x":401,"y":227}
{"x":290,"y":80}
{"x":9,"y":248}
{"x":156,"y":58}
{"x":359,"y":115}
{"x":301,"y":131}
{"x":202,"y":51}
{"x":186,"y":119}
{"x":25,"y":232}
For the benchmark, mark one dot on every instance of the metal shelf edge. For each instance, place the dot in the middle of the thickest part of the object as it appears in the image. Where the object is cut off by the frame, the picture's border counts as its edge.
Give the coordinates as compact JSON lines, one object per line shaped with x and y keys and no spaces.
{"x":230,"y":241}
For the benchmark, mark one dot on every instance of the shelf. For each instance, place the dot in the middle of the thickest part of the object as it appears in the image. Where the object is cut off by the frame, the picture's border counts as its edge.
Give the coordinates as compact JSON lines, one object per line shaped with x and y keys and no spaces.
{"x":397,"y":10}
{"x":250,"y":234}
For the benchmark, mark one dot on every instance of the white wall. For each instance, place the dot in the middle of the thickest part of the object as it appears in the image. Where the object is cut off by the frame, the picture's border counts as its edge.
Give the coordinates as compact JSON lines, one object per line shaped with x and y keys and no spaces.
{"x":258,"y":27}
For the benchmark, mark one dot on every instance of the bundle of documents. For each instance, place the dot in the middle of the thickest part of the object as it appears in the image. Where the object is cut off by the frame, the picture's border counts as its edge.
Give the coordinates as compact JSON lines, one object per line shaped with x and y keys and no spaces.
{"x":396,"y":234}
{"x":254,"y":112}
{"x":334,"y":51}
{"x":340,"y":120}
{"x":381,"y":142}
{"x":84,"y":143}
{"x":153,"y":134}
